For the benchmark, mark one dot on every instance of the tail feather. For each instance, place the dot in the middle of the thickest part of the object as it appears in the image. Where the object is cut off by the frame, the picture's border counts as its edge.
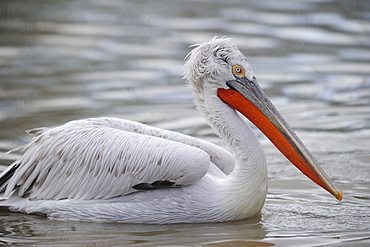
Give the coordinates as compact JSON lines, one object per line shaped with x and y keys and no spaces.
{"x":6,"y":175}
{"x":9,"y":172}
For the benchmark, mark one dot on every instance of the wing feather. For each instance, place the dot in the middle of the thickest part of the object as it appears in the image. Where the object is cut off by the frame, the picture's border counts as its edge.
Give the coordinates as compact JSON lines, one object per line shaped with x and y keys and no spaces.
{"x":222,"y":158}
{"x":98,"y":161}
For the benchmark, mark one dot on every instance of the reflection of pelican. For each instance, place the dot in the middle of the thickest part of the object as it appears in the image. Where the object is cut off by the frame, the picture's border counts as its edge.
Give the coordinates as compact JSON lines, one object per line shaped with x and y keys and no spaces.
{"x":88,"y":169}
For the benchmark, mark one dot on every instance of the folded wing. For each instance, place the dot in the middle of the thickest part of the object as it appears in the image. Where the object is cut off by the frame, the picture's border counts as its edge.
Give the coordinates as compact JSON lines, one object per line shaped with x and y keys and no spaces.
{"x":92,"y":160}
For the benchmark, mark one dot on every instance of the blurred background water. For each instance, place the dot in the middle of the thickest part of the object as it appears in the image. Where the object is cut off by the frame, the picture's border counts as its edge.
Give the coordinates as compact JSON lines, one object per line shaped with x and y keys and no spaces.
{"x":65,"y":60}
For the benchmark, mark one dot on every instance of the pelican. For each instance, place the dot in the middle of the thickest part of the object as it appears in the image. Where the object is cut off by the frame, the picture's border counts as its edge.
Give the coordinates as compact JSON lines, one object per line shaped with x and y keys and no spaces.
{"x":115,"y":170}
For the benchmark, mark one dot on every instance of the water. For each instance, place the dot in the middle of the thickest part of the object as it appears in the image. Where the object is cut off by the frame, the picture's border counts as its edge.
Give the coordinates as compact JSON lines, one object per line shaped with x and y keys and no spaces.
{"x":65,"y":60}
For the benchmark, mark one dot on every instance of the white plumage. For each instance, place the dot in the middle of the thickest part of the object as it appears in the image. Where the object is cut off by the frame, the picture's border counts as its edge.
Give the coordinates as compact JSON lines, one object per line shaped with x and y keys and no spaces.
{"x":114,"y":170}
{"x":102,"y":158}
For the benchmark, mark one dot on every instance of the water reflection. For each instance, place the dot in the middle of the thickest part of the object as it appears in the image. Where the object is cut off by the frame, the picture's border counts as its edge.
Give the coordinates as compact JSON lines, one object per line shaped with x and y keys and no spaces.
{"x":32,"y":231}
{"x":64,"y":60}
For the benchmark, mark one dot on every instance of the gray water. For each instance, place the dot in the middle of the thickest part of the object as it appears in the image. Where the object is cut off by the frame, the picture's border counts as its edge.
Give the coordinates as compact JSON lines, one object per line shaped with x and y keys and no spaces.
{"x":65,"y":60}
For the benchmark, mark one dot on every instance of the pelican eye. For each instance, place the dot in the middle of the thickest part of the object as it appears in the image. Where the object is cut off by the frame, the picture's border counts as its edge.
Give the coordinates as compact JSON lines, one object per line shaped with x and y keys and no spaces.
{"x":238,"y":71}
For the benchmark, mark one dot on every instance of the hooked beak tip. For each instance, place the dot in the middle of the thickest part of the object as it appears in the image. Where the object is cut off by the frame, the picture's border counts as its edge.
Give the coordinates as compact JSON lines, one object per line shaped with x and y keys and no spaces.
{"x":338,"y":195}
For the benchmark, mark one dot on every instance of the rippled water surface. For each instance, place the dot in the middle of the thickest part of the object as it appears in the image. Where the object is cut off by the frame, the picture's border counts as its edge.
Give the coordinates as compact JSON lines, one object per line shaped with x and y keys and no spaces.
{"x":64,"y":60}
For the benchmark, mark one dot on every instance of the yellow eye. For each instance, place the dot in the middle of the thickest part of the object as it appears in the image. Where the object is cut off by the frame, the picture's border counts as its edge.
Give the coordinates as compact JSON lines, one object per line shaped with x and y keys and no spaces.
{"x":238,"y":71}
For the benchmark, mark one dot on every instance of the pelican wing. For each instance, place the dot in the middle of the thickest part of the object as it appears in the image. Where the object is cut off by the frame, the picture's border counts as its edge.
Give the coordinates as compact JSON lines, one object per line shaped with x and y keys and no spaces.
{"x":222,"y":158}
{"x":100,"y":158}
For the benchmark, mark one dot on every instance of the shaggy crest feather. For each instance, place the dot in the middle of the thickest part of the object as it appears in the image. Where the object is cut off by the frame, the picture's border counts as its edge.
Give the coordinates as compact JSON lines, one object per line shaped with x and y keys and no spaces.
{"x":202,"y":68}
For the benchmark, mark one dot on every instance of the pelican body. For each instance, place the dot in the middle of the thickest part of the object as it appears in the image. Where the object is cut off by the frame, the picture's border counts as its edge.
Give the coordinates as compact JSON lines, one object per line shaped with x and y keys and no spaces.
{"x":115,"y":170}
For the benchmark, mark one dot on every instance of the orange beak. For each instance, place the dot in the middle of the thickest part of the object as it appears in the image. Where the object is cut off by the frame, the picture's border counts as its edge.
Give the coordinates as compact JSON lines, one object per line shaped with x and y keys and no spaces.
{"x":248,"y":98}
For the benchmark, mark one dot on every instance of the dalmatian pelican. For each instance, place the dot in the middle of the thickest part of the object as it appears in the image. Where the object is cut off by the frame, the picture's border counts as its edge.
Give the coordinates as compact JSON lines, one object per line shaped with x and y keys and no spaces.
{"x":115,"y":170}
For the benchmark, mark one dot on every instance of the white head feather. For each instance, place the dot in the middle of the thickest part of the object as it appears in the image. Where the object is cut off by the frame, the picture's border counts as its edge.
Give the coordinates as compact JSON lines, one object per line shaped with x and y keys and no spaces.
{"x":209,"y":66}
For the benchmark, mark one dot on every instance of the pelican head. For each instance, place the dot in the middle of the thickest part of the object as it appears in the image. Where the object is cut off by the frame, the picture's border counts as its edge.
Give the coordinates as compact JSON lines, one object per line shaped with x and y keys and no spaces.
{"x":211,"y":64}
{"x":217,"y":70}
